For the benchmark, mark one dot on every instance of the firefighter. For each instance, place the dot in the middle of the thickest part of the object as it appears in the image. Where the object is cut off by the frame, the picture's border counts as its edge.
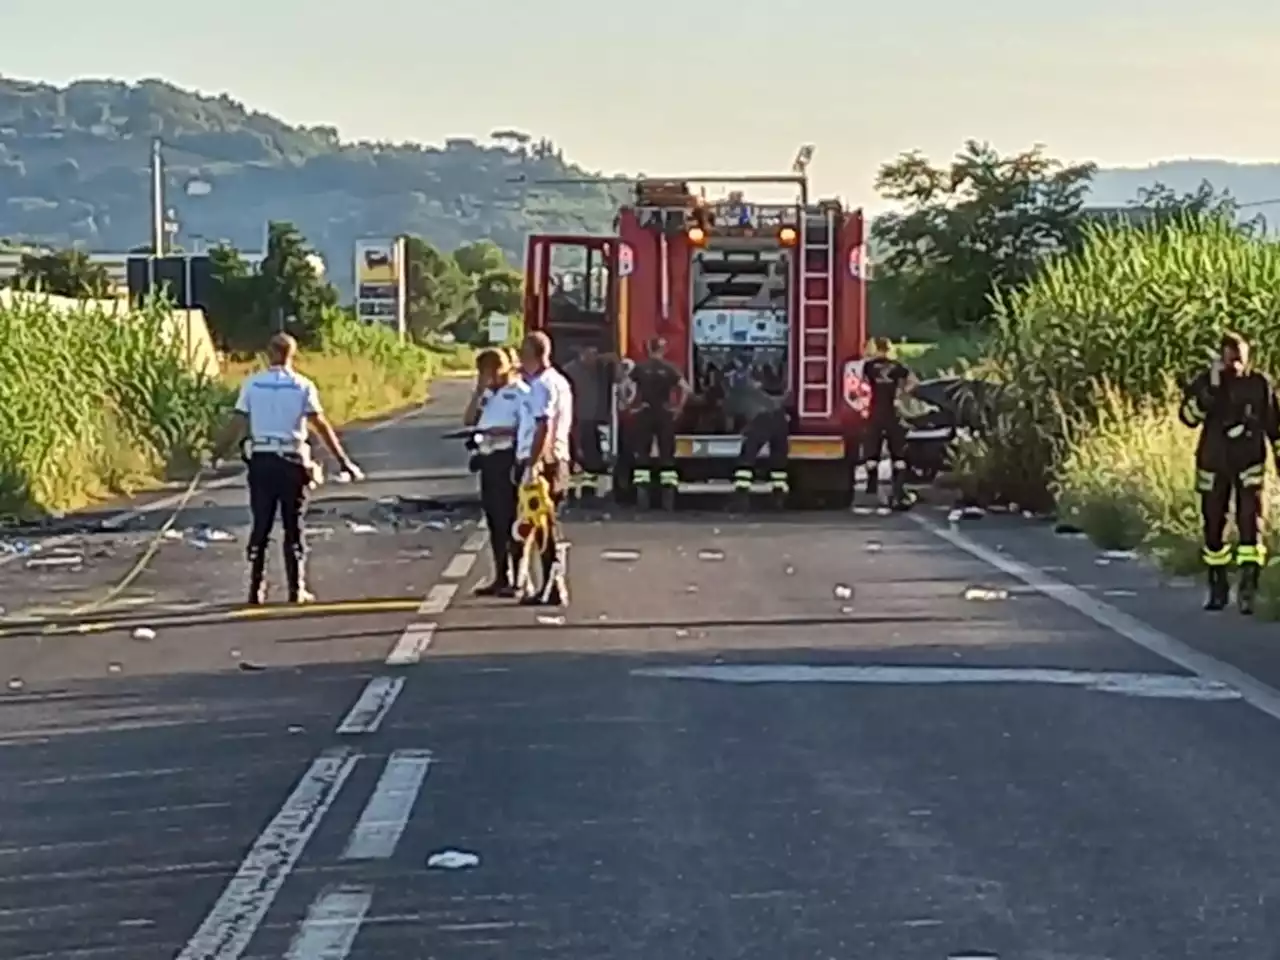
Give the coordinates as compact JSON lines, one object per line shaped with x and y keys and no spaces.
{"x":542,"y":453}
{"x":592,"y":376}
{"x":494,"y":410}
{"x":765,"y":421}
{"x":1236,"y":411}
{"x":656,"y":379}
{"x":274,"y":411}
{"x":889,"y":379}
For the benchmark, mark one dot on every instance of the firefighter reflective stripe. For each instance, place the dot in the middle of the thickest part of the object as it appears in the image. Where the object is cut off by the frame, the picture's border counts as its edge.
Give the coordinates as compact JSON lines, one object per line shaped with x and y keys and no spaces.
{"x":742,"y":479}
{"x":1217,"y":558}
{"x":1251,"y":554}
{"x":1191,"y":412}
{"x":778,"y":479}
{"x":1253,"y":476}
{"x":1236,"y":431}
{"x":642,"y":475}
{"x":1204,"y":481}
{"x":669,"y":478}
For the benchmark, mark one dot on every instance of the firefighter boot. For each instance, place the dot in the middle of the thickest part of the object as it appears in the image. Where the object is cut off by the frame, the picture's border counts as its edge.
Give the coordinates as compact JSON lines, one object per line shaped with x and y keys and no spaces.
{"x":1219,"y":589}
{"x":1247,"y":589}
{"x":295,"y":571}
{"x":779,"y":489}
{"x":740,"y":499}
{"x":257,"y":576}
{"x":642,"y":480}
{"x":670,"y":481}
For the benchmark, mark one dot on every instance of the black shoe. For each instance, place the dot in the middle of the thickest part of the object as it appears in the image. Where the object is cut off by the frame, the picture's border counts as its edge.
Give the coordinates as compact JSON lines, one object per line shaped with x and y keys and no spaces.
{"x":257,"y":580}
{"x":668,"y":498}
{"x":642,"y":496}
{"x":498,"y":589}
{"x":1247,"y":591}
{"x":1219,"y":589}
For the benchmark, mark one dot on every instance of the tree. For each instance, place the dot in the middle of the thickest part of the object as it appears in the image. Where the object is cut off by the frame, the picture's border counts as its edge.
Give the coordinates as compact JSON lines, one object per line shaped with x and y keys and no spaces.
{"x":481,"y":257}
{"x":63,"y":273}
{"x":1163,"y":202}
{"x":499,"y":291}
{"x":437,"y":291}
{"x":981,"y":224}
{"x":292,"y":287}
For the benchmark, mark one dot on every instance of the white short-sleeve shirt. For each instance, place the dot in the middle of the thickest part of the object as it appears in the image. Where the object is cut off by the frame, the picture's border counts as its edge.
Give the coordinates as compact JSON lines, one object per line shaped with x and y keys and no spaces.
{"x":503,"y":407}
{"x":550,"y":398}
{"x":277,"y":403}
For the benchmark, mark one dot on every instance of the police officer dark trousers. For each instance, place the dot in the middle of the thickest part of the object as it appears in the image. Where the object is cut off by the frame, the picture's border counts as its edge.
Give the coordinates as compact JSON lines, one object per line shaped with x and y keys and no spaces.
{"x":1236,"y":411}
{"x":772,"y":427}
{"x":276,"y":409}
{"x":494,"y":411}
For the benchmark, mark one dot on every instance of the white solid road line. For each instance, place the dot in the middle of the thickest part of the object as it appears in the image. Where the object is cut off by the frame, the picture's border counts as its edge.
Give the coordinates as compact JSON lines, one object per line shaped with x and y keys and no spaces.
{"x":459,"y":566}
{"x":373,"y":705}
{"x":387,"y":813}
{"x":476,"y":542}
{"x":413,"y":643}
{"x":332,"y":923}
{"x":438,"y":599}
{"x":230,"y":925}
{"x":1254,"y":692}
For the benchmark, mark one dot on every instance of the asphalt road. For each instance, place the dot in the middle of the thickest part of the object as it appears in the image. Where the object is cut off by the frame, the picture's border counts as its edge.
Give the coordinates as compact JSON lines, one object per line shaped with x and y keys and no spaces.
{"x":794,"y":736}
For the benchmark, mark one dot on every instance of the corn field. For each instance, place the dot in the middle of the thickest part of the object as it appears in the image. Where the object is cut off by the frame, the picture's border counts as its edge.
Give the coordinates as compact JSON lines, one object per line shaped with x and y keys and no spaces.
{"x":1137,"y":312}
{"x":91,"y":402}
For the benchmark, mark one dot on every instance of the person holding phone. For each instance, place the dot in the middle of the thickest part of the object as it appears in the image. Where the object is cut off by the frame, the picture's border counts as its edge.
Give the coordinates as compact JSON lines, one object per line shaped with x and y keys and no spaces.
{"x":494,"y":411}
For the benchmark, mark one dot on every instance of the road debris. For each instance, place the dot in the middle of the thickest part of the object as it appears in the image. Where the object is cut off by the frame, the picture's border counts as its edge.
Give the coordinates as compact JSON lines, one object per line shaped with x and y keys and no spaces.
{"x":843,"y":591}
{"x":711,"y":556}
{"x":986,"y":593}
{"x":452,"y":860}
{"x":143,"y":633}
{"x":620,"y":556}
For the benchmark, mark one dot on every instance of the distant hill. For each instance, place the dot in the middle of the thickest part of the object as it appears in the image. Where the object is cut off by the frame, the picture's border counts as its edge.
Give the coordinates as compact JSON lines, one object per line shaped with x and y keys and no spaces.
{"x":74,"y":170}
{"x":1247,"y":183}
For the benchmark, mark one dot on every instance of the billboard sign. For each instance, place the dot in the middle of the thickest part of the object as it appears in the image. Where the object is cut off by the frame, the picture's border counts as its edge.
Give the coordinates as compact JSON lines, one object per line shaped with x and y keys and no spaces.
{"x":380,"y":282}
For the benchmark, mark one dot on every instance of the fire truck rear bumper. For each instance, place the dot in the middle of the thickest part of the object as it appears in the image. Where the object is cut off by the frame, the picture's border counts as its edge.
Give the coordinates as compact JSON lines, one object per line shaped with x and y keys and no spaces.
{"x":694,"y":447}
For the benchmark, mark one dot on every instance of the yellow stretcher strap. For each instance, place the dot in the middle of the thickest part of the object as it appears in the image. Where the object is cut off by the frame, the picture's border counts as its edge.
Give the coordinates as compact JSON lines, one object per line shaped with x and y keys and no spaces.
{"x":535,"y":514}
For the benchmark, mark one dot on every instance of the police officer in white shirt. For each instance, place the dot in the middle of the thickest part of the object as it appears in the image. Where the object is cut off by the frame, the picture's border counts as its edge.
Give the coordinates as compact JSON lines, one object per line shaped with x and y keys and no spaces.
{"x":274,"y":411}
{"x":494,"y":411}
{"x":542,"y":449}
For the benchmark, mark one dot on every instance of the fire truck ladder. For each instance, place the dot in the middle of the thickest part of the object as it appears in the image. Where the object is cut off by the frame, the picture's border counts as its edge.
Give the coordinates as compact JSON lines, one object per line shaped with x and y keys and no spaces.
{"x":817,"y":311}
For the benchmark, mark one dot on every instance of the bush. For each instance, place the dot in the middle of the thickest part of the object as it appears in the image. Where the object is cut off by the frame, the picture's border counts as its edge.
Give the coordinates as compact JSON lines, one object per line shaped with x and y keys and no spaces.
{"x":94,"y":402}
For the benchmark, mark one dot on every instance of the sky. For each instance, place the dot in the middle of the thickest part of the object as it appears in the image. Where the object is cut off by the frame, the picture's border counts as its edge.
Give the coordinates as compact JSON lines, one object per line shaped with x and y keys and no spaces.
{"x":670,"y":87}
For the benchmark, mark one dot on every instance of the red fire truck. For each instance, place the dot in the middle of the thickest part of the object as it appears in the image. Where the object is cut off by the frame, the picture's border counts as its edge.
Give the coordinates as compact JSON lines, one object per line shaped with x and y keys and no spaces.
{"x":776,"y":291}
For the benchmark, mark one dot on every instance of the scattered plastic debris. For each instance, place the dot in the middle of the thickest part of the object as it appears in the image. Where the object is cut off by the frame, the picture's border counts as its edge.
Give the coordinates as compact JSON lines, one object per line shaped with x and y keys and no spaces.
{"x":16,"y":683}
{"x":883,"y":511}
{"x":955,"y":516}
{"x":620,"y":556}
{"x":173,"y":533}
{"x":691,"y":588}
{"x":250,"y":667}
{"x":436,"y":525}
{"x":789,"y":570}
{"x":863,"y":511}
{"x":1102,"y":562}
{"x":296,"y":728}
{"x":973,"y":513}
{"x":843,"y":591}
{"x":874,"y":546}
{"x":452,"y":860}
{"x":1119,"y":593}
{"x":547,"y":621}
{"x":986,"y":593}
{"x":682,"y":633}
{"x":213,"y":535}
{"x":114,"y":667}
{"x":846,"y":610}
{"x":362,"y":528}
{"x":143,"y":633}
{"x":19,"y":548}
{"x":1120,"y":554}
{"x":711,"y":555}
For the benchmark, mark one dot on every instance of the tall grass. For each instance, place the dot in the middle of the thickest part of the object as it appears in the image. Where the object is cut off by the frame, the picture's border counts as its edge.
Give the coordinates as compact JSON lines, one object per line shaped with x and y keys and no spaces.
{"x":1136,"y":312}
{"x":93,"y":402}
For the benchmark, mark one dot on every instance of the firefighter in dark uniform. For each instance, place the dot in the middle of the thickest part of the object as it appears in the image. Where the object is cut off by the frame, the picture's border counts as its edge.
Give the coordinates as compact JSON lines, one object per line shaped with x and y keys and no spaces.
{"x":276,"y":410}
{"x":656,"y":414}
{"x":764,"y":420}
{"x":888,"y":379}
{"x":1236,"y":411}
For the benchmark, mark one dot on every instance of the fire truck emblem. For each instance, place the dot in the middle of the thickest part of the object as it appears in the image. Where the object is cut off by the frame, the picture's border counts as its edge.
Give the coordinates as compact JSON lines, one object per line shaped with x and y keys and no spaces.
{"x":626,"y":260}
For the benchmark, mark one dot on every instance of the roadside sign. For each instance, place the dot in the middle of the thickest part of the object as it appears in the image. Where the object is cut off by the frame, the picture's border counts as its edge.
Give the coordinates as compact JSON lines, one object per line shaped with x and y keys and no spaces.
{"x":499,"y":327}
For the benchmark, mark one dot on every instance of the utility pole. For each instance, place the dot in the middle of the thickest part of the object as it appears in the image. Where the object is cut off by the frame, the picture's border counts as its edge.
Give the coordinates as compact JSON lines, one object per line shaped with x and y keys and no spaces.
{"x":157,"y":200}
